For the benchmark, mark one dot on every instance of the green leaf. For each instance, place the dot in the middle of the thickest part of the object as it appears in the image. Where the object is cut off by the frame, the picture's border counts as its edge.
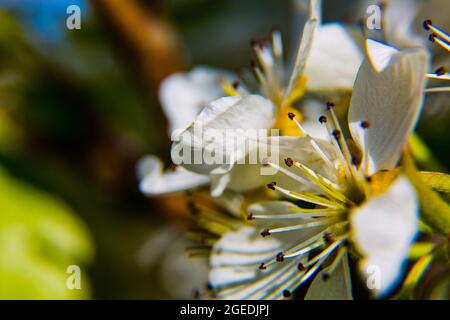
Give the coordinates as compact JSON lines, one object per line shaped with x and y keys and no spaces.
{"x":437,"y":180}
{"x":39,"y":238}
{"x":336,"y":286}
{"x":419,"y":249}
{"x":422,"y":154}
{"x":435,"y":211}
{"x":413,"y":277}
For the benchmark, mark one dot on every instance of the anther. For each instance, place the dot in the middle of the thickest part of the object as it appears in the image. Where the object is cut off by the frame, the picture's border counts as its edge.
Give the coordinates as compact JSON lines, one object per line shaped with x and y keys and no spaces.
{"x":262,"y":266}
{"x":440,"y":71}
{"x":265,"y":233}
{"x":196,"y":293}
{"x":336,"y":134}
{"x":253,"y":64}
{"x":192,"y":207}
{"x":235,"y":84}
{"x":368,"y":179}
{"x":289,"y":162}
{"x":432,"y":37}
{"x":323,"y":119}
{"x":253,"y":42}
{"x":280,"y":257}
{"x":286,"y":293}
{"x":271,"y":185}
{"x":328,"y":238}
{"x":250,"y":216}
{"x":301,"y":267}
{"x":426,"y":24}
{"x":291,"y":115}
{"x":365,"y":124}
{"x":325,"y":276}
{"x":330,"y":105}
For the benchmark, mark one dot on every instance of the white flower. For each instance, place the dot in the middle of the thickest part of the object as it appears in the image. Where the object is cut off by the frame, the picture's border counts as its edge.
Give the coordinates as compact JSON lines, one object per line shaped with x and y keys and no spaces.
{"x":184,"y":95}
{"x":381,"y":225}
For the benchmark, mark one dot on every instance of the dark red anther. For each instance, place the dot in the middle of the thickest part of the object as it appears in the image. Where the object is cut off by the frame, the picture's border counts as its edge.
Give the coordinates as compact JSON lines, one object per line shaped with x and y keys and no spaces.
{"x":330,"y":105}
{"x":286,"y":293}
{"x":323,"y":119}
{"x":365,"y":124}
{"x":271,"y":185}
{"x":426,"y":24}
{"x":301,"y":267}
{"x":291,"y":115}
{"x":327,"y":236}
{"x":336,"y":134}
{"x":289,"y":162}
{"x":262,"y":266}
{"x":431,"y":37}
{"x":280,"y":257}
{"x":235,"y":84}
{"x":440,"y":71}
{"x":265,"y":233}
{"x":250,"y":216}
{"x":325,"y":276}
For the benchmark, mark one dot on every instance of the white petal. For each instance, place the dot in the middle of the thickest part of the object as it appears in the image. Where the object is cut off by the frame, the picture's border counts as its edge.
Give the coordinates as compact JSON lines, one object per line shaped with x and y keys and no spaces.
{"x":184,"y":95}
{"x":156,"y":182}
{"x":228,"y":118}
{"x":380,"y":54}
{"x":334,"y":59}
{"x":391,"y":100}
{"x":382,"y":230}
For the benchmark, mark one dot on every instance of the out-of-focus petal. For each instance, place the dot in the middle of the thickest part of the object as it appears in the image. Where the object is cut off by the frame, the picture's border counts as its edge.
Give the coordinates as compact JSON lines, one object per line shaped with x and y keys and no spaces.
{"x":154,"y":181}
{"x":334,"y":59}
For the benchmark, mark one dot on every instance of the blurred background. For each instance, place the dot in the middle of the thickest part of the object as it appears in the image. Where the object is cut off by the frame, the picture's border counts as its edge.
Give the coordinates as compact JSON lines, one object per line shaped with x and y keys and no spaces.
{"x":79,"y":108}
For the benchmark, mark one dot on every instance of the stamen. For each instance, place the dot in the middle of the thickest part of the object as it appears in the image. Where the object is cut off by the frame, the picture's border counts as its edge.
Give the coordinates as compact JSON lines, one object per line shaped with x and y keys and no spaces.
{"x":332,"y":267}
{"x":288,"y":173}
{"x":277,"y":44}
{"x":337,"y":133}
{"x":311,"y":198}
{"x":437,"y":89}
{"x":444,"y":76}
{"x":313,"y":143}
{"x":323,"y":183}
{"x":428,"y":25}
{"x":315,"y":223}
{"x":444,"y":44}
{"x":315,"y":214}
{"x":259,"y":289}
{"x":230,"y":88}
{"x":300,"y":250}
{"x":325,"y":253}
